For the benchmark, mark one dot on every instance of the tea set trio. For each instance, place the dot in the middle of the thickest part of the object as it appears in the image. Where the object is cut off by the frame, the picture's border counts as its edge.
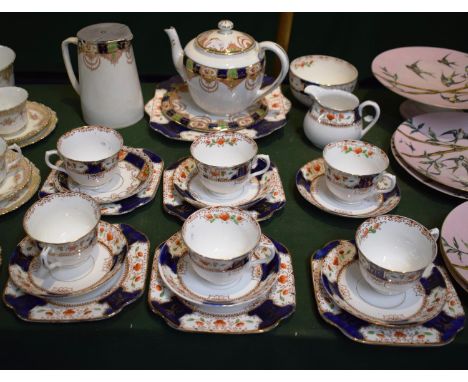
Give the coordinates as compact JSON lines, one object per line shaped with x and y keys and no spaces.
{"x":220,"y":273}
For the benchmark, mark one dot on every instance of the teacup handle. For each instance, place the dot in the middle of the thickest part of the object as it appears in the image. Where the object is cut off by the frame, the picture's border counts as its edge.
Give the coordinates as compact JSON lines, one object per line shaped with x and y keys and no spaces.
{"x":16,"y":148}
{"x":374,"y":120}
{"x":266,"y":158}
{"x":283,"y":57}
{"x":68,"y":65}
{"x":48,"y":154}
{"x":267,"y":259}
{"x":435,"y":233}
{"x":390,"y":187}
{"x":45,"y":259}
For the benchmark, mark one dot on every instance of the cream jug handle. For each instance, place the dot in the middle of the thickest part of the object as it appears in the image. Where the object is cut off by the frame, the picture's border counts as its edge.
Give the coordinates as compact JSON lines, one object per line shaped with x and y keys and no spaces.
{"x":45,"y":259}
{"x":374,"y":120}
{"x":68,"y":65}
{"x":266,"y":259}
{"x":283,"y":57}
{"x":266,"y":158}
{"x":48,"y":154}
{"x":435,"y":233}
{"x":16,"y":148}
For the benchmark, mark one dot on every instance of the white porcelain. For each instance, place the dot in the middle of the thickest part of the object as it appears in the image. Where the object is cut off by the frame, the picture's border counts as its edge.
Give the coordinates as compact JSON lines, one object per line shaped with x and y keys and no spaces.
{"x":322,"y":71}
{"x":7,"y":58}
{"x":394,"y":251}
{"x":65,"y":228}
{"x":5,"y":166}
{"x":222,"y":242}
{"x":224,"y":161}
{"x":13,"y":113}
{"x":90,"y":154}
{"x":355,"y":170}
{"x":108,"y":86}
{"x":336,"y":115}
{"x":224,"y":68}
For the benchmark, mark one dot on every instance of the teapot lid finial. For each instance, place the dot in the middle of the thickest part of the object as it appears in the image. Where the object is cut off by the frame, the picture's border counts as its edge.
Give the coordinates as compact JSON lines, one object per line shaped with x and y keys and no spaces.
{"x":225,"y":26}
{"x":225,"y":40}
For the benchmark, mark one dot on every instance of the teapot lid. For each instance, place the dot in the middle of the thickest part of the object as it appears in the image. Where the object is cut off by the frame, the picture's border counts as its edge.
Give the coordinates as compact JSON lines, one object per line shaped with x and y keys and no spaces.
{"x":225,"y":40}
{"x":105,"y":32}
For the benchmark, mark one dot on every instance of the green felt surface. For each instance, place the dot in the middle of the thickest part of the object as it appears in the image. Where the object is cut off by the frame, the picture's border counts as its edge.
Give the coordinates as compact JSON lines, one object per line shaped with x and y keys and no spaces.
{"x":136,"y":338}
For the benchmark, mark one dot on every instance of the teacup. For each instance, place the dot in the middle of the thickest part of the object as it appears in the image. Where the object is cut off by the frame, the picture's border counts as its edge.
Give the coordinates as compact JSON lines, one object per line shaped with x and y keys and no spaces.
{"x":355,"y":170}
{"x":7,"y":58}
{"x":225,"y":160}
{"x":13,"y":112}
{"x":64,"y":227}
{"x":90,"y":154}
{"x":222,"y":242}
{"x":324,"y":71}
{"x":394,"y":251}
{"x":4,"y":166}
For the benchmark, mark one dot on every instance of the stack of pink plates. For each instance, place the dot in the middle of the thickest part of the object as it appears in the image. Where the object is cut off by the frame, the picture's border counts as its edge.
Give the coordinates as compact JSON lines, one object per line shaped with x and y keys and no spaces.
{"x":454,"y":244}
{"x":433,"y":148}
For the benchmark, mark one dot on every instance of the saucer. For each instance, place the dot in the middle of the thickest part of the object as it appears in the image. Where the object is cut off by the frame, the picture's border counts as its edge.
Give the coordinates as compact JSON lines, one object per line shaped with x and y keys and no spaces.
{"x":28,"y":273}
{"x":439,"y":331}
{"x":39,"y":117}
{"x":125,"y":287}
{"x":178,"y":106}
{"x":22,"y":196}
{"x":131,"y":176}
{"x":188,"y":184}
{"x":263,"y":316}
{"x":17,"y":177}
{"x":177,"y":273}
{"x":143,"y":197}
{"x":310,"y":182}
{"x":278,"y":108}
{"x":342,"y":279}
{"x":261,"y":208}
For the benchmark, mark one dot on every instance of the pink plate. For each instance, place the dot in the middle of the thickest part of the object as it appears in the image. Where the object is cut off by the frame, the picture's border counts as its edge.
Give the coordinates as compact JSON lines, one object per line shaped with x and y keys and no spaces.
{"x":433,"y":76}
{"x":454,"y":243}
{"x":436,"y":146}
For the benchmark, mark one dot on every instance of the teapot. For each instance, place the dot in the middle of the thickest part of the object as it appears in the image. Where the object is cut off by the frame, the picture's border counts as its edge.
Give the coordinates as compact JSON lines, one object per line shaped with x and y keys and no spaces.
{"x":224,"y":68}
{"x":336,"y":115}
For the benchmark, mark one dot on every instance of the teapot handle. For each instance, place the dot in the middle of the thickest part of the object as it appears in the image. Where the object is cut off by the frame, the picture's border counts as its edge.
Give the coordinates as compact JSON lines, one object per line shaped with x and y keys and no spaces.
{"x":374,"y":120}
{"x":283,"y":57}
{"x":68,"y":65}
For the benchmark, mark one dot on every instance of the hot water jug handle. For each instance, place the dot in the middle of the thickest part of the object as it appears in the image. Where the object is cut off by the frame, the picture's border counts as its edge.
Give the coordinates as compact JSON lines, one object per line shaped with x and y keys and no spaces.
{"x":68,"y":65}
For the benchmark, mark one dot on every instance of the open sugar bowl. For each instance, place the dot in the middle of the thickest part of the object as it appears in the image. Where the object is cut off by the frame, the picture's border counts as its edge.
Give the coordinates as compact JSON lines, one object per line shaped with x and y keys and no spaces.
{"x":322,"y":71}
{"x":64,"y":227}
{"x":90,"y":154}
{"x":355,"y":170}
{"x":223,"y":242}
{"x":394,"y":251}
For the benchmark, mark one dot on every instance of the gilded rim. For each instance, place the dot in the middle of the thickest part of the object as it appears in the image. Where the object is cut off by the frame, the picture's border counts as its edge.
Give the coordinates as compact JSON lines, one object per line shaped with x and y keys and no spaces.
{"x":90,"y":128}
{"x":27,"y":178}
{"x":41,"y":135}
{"x":32,"y":187}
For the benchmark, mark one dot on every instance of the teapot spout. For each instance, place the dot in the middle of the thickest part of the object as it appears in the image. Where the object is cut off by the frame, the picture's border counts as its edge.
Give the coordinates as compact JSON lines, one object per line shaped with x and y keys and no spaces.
{"x":177,"y":52}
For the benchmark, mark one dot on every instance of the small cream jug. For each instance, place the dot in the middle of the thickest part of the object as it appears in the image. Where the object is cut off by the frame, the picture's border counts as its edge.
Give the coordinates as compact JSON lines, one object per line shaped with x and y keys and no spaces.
{"x":336,"y":115}
{"x":109,"y":87}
